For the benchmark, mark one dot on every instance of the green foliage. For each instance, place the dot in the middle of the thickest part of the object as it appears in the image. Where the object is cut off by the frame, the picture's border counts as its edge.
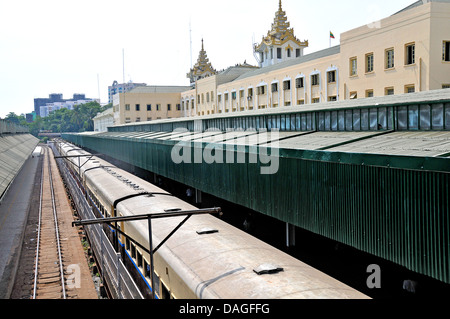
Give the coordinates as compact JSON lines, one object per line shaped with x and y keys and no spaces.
{"x":64,"y":120}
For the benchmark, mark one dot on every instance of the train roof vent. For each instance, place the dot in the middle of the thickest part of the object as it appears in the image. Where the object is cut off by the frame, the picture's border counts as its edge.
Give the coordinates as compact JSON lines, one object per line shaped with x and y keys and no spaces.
{"x":267,"y":269}
{"x":207,"y":230}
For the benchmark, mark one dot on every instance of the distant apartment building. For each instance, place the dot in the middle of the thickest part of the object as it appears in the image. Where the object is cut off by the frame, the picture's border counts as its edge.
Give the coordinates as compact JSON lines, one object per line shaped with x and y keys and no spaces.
{"x":117,"y":88}
{"x":50,"y":107}
{"x":55,"y":101}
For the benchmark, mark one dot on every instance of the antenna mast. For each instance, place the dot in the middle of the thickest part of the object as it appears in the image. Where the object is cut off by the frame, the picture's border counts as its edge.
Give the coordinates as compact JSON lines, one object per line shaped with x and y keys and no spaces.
{"x":123,"y":64}
{"x":190,"y":39}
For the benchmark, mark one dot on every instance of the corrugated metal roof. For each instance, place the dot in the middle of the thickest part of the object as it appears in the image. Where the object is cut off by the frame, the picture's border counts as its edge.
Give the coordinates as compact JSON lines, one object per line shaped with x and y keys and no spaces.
{"x":14,"y":150}
{"x":426,"y":144}
{"x":320,"y":140}
{"x":417,"y":144}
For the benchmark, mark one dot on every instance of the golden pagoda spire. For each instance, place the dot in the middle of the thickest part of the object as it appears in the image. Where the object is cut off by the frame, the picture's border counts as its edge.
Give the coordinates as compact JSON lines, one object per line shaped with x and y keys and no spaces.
{"x":280,"y":24}
{"x":279,"y":35}
{"x":202,"y":68}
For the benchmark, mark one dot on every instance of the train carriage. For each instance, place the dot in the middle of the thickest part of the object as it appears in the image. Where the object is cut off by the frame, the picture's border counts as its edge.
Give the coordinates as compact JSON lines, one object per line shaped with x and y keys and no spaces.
{"x":206,"y":257}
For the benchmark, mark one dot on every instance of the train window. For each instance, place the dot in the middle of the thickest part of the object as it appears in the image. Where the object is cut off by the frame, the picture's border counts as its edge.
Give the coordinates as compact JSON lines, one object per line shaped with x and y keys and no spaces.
{"x":165,"y":293}
{"x":133,"y":251}
{"x":146,"y":269}
{"x":156,"y":279}
{"x":127,"y":244}
{"x":139,"y":259}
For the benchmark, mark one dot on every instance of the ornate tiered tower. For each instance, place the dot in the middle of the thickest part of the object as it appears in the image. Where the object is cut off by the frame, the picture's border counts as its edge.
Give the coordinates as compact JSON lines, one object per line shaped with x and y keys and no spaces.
{"x":202,"y":68}
{"x":280,"y":44}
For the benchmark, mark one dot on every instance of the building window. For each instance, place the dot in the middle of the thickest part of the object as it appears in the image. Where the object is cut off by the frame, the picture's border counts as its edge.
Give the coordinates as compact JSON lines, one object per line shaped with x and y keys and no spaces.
{"x":369,"y":93}
{"x":158,"y":106}
{"x":369,"y":63}
{"x":138,"y":119}
{"x":279,"y":53}
{"x":332,"y":98}
{"x":446,"y":51}
{"x":207,"y":97}
{"x":168,"y":107}
{"x":410,"y":54}
{"x":261,"y":90}
{"x":353,"y":66}
{"x":332,"y":77}
{"x":315,"y":100}
{"x":178,"y":107}
{"x":389,"y":91}
{"x":127,"y":120}
{"x":287,"y":85}
{"x":299,"y":83}
{"x":288,"y":51}
{"x":127,"y":107}
{"x":274,"y":87}
{"x":149,"y":119}
{"x":297,"y":53}
{"x":315,"y":79}
{"x":149,"y":107}
{"x":410,"y":88}
{"x":212,"y":96}
{"x":233,"y":95}
{"x":250,"y":93}
{"x":389,"y":59}
{"x":138,"y":107}
{"x":446,"y":86}
{"x":353,"y":95}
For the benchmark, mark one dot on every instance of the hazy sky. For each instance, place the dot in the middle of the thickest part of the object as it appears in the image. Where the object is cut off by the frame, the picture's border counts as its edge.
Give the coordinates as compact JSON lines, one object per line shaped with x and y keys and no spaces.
{"x":61,"y":46}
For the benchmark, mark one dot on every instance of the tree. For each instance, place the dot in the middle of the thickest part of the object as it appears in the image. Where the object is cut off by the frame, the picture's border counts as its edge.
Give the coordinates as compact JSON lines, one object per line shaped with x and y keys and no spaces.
{"x":64,"y":120}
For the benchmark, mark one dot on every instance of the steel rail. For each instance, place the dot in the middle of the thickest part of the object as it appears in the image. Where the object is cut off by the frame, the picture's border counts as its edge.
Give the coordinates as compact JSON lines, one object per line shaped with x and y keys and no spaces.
{"x":56,"y":228}
{"x":58,"y":244}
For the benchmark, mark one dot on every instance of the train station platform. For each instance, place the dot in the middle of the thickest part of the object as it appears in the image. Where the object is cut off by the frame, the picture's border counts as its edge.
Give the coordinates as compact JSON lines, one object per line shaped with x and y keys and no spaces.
{"x":14,"y":209}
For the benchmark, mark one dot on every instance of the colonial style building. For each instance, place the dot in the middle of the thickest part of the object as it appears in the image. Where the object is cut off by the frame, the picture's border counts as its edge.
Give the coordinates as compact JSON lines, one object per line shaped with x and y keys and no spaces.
{"x":403,"y":53}
{"x":147,"y":103}
{"x":406,"y":52}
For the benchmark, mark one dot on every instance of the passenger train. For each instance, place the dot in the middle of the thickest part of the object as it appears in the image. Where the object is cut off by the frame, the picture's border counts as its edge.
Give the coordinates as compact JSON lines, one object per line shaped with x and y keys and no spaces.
{"x":222,"y":262}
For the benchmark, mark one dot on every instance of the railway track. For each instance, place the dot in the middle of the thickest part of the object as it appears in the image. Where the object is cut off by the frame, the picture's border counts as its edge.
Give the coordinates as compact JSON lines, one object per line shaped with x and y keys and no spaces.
{"x":49,"y":280}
